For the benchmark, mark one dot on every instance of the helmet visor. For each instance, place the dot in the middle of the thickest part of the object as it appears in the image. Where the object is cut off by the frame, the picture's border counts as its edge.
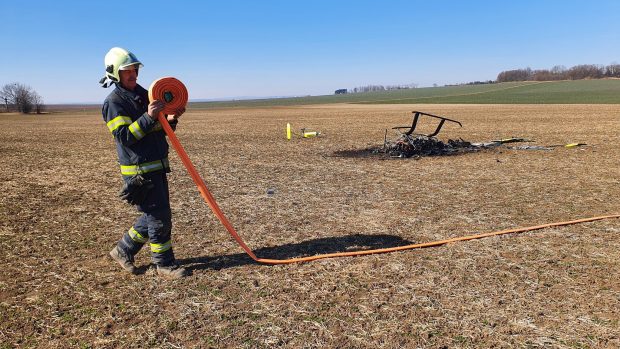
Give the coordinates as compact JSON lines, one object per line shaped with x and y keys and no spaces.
{"x":130,"y":62}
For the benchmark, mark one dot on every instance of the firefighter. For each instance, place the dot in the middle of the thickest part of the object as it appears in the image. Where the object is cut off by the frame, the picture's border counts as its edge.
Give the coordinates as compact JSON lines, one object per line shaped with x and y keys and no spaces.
{"x":143,"y":156}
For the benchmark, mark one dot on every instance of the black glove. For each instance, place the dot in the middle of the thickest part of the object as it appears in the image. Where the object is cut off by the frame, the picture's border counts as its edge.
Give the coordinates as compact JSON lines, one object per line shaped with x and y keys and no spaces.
{"x":136,"y":189}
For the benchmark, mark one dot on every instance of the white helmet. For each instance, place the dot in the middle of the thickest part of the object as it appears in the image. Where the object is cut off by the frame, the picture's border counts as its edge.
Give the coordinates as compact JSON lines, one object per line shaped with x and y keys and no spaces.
{"x":117,"y":59}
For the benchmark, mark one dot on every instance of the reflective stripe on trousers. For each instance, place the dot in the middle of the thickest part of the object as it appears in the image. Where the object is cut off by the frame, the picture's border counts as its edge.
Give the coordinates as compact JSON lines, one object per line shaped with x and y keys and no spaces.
{"x":135,"y":236}
{"x":161,"y":248}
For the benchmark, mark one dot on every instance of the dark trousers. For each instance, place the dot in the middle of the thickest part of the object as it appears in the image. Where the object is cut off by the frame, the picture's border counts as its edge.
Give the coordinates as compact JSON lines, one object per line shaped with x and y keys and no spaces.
{"x":155,"y":224}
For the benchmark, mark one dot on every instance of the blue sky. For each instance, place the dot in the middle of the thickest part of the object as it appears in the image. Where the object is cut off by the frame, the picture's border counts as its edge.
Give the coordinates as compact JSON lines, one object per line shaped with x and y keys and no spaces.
{"x":281,"y":48}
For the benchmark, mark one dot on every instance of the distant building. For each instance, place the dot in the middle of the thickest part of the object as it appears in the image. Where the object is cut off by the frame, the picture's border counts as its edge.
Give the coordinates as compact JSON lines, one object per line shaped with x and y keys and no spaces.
{"x":341,"y":91}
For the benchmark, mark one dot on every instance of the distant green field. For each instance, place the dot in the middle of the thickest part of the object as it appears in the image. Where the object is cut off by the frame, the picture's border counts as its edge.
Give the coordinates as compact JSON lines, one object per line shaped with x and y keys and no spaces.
{"x":548,"y":92}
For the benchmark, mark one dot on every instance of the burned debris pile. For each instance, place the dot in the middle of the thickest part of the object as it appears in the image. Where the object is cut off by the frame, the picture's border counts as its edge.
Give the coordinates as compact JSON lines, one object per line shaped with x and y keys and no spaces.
{"x":406,"y":146}
{"x":410,"y":144}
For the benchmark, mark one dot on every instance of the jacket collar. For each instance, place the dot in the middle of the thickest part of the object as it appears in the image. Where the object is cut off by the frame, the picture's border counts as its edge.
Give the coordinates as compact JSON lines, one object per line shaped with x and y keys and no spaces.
{"x":137,"y":92}
{"x":139,"y":95}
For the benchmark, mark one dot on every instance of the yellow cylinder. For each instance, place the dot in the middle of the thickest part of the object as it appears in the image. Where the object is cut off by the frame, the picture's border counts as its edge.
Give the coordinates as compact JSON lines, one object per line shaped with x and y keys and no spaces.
{"x":310,"y":134}
{"x":288,"y":131}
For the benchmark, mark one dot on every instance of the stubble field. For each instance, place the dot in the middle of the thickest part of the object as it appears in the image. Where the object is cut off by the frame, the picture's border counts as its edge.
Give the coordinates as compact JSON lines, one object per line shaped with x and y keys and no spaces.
{"x":553,"y":288}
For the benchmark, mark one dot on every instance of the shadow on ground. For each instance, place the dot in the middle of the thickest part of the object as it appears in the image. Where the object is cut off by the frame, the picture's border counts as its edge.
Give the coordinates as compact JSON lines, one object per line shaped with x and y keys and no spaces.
{"x":349,"y":243}
{"x":361,"y":153}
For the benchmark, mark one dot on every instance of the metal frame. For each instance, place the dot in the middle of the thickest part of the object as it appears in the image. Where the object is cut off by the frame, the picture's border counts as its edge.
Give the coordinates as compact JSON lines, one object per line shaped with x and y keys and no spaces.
{"x":417,"y":115}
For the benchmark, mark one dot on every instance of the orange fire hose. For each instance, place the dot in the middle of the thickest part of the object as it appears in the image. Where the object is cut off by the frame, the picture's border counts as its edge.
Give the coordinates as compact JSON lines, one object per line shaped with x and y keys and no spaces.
{"x":174,"y":94}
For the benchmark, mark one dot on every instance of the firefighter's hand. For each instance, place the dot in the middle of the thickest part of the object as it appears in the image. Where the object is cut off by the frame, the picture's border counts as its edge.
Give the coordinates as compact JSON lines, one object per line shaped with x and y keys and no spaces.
{"x":177,"y":114}
{"x":154,"y":108}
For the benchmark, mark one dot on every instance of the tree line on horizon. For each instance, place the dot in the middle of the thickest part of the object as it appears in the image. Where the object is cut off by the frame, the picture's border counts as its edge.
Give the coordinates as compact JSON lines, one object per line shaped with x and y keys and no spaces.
{"x":374,"y":88}
{"x":558,"y":72}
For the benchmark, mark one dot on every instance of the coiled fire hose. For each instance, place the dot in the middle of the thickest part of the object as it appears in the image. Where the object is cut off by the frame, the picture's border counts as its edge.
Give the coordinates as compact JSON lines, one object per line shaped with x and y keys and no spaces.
{"x":174,"y":94}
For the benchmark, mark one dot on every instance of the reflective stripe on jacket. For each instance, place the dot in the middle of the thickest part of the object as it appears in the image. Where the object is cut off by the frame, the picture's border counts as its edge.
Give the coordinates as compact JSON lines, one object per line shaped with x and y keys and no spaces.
{"x":132,"y":170}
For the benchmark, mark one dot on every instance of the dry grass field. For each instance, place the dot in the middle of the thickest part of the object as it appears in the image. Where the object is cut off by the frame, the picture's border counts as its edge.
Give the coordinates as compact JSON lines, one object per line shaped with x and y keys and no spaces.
{"x":553,"y":288}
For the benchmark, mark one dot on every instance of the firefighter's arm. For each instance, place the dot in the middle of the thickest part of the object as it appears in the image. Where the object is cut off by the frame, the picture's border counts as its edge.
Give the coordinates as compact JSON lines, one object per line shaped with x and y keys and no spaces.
{"x":123,"y":128}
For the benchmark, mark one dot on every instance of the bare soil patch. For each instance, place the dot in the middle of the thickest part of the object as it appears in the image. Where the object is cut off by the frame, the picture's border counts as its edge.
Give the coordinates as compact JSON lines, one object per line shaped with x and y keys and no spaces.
{"x":555,"y":288}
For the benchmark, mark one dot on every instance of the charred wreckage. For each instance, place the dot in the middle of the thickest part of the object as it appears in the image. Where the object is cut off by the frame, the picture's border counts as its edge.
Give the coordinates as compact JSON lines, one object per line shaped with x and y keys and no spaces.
{"x":411,"y":144}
